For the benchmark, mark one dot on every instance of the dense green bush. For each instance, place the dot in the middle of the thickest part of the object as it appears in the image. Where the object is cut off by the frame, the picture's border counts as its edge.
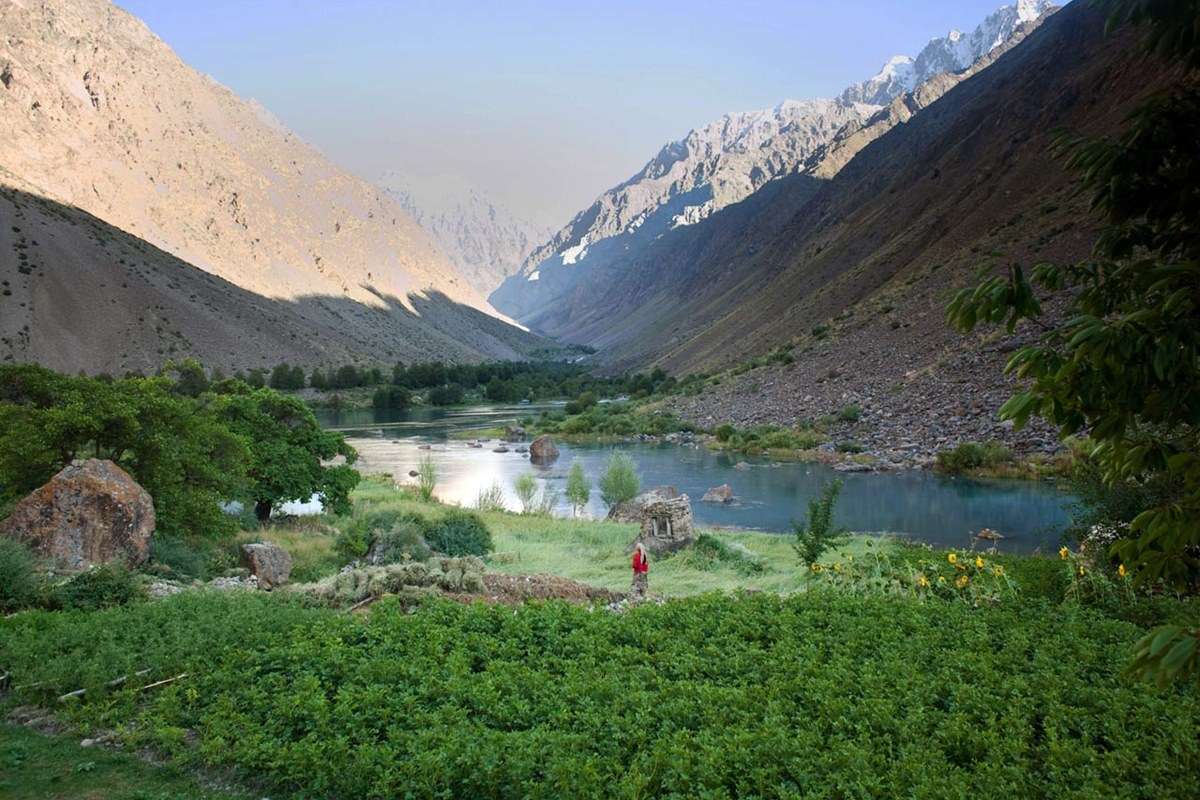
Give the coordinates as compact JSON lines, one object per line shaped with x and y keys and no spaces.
{"x":102,"y":586}
{"x":391,"y":398}
{"x":815,"y":695}
{"x":21,"y":585}
{"x":581,"y":404}
{"x":459,"y":533}
{"x":404,"y":541}
{"x":973,"y":455}
{"x":724,"y":431}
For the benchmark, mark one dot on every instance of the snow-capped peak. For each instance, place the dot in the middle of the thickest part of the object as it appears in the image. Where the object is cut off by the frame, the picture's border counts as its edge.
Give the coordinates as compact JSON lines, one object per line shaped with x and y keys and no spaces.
{"x":950,"y":53}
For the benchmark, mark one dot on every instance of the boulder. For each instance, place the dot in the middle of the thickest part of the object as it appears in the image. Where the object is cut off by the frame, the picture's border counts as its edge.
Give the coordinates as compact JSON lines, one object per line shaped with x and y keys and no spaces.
{"x":542,"y":450}
{"x":718,"y":494}
{"x":500,"y":449}
{"x":514,"y":433}
{"x":267,"y":562}
{"x":631,"y":510}
{"x":667,"y":525}
{"x":89,"y":513}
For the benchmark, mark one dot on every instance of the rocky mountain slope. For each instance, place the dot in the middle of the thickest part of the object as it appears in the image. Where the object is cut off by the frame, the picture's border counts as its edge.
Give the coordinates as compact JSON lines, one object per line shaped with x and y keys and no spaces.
{"x":853,"y":274}
{"x":99,"y":115}
{"x":484,"y":240}
{"x":730,"y":159}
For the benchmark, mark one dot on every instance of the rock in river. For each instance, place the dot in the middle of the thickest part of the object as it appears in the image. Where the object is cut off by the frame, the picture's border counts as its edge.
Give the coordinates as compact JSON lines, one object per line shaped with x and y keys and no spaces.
{"x":542,"y":450}
{"x":718,"y":494}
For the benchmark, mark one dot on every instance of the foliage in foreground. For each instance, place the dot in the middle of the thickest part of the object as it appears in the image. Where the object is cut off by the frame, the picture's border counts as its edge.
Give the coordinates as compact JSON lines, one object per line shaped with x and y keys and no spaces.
{"x":1123,"y":362}
{"x":820,"y":694}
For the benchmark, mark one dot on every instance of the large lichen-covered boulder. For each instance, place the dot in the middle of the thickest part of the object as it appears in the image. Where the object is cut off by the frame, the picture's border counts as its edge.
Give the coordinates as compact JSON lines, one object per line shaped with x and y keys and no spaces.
{"x":270,"y":563}
{"x":542,"y":450}
{"x":718,"y":494}
{"x":631,"y":510}
{"x":667,"y":525}
{"x":89,"y":513}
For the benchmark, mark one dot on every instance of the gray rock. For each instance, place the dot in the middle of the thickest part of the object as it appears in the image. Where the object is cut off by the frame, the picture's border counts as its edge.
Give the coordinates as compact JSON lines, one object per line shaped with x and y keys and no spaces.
{"x":631,"y":510}
{"x":718,"y":494}
{"x":269,"y":563}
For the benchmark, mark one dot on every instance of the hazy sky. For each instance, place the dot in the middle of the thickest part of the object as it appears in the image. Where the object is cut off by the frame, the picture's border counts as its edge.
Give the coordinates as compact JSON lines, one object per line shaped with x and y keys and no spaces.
{"x":543,"y":104}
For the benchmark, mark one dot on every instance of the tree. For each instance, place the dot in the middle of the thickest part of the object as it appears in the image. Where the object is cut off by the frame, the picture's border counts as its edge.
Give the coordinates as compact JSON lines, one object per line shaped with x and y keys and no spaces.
{"x":391,"y":398}
{"x":449,"y":395}
{"x":281,"y":377}
{"x":256,"y":379}
{"x":170,"y":443}
{"x":818,"y":534}
{"x":526,"y":488}
{"x":189,"y":376}
{"x":619,"y":483}
{"x":318,"y":380}
{"x":1123,"y":365}
{"x":579,"y":488}
{"x":427,"y":477}
{"x":287,"y":450}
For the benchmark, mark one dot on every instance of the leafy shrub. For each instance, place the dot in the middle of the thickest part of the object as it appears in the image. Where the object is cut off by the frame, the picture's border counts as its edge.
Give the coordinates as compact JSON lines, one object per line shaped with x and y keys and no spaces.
{"x":724,"y":432}
{"x":581,"y":404}
{"x":973,"y":455}
{"x":459,"y":533}
{"x":182,"y":557}
{"x":102,"y":586}
{"x":709,"y":552}
{"x":526,"y":488}
{"x":850,"y":413}
{"x":619,"y":483}
{"x":427,"y":477}
{"x":818,"y":534}
{"x":930,"y":698}
{"x":21,"y":584}
{"x":849,"y":447}
{"x":404,"y":541}
{"x":361,"y":531}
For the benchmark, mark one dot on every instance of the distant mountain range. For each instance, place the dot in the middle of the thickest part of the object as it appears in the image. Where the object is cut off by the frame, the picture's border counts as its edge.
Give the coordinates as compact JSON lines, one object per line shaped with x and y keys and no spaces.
{"x":730,"y":159}
{"x":148,"y":212}
{"x":484,"y":240}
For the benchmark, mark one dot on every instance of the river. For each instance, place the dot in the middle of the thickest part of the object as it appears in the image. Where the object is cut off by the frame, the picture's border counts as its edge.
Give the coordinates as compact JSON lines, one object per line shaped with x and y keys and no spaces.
{"x":926,"y":506}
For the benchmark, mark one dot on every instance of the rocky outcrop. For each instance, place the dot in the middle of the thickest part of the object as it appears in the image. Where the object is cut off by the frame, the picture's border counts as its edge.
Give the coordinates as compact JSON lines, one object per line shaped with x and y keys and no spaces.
{"x":514,"y":433}
{"x":542,"y":450}
{"x":667,"y":525}
{"x":718,"y":494}
{"x":269,"y":563}
{"x":89,"y":513}
{"x":631,"y":510}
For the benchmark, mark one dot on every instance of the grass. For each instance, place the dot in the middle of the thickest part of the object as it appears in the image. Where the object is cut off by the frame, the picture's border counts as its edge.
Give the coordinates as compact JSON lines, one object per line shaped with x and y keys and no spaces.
{"x":309,"y":540}
{"x":595,"y":552}
{"x":37,"y":766}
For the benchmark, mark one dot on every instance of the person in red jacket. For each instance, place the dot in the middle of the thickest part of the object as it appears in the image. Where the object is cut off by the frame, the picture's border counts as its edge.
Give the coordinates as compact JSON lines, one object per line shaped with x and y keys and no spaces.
{"x":641,"y":566}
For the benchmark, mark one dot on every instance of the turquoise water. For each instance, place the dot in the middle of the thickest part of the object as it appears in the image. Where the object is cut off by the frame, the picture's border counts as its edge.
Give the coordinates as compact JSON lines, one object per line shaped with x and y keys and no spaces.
{"x":922,"y":505}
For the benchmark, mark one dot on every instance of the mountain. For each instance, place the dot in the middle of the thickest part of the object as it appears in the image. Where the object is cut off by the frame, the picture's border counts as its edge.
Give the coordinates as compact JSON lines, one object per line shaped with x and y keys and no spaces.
{"x":852,"y":273}
{"x":485,"y":241}
{"x":727,"y":161}
{"x":99,"y":118}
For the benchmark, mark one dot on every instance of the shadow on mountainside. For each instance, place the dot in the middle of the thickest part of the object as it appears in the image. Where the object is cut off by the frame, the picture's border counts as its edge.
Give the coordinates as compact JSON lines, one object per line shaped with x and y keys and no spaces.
{"x":77,"y":293}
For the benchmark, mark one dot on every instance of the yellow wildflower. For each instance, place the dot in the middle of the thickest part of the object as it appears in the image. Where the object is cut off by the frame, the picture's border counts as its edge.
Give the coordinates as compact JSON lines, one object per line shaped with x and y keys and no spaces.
{"x":997,"y":569}
{"x":952,"y":558}
{"x":816,"y":567}
{"x":837,"y":567}
{"x":962,"y":581}
{"x":1081,"y":571}
{"x":923,"y":582}
{"x":1063,"y":552}
{"x":941,"y":579}
{"x":978,"y":562}
{"x":1121,"y":570}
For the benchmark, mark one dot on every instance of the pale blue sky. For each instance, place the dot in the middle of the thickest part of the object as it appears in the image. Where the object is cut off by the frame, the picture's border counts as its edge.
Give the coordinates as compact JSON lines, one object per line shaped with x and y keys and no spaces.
{"x":542,"y":104}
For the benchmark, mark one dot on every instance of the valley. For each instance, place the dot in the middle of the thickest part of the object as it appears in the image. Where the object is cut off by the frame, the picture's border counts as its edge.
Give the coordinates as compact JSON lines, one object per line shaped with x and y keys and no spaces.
{"x":356,"y":442}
